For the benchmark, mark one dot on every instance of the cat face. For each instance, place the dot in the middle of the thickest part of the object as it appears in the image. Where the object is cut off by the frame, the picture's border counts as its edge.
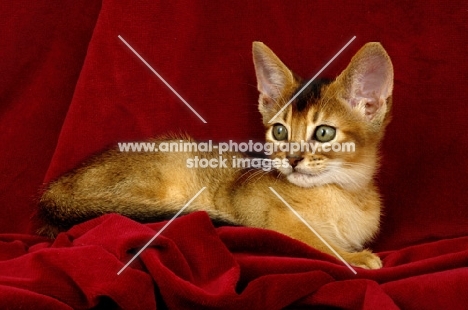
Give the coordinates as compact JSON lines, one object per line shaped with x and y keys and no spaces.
{"x":330,"y":132}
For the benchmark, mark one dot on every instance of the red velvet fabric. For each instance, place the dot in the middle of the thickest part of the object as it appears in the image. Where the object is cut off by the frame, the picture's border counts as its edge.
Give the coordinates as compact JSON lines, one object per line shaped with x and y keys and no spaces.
{"x":69,"y":87}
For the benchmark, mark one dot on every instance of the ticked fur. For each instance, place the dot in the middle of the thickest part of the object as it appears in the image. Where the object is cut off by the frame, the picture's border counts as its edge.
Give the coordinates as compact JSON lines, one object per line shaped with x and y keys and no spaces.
{"x":333,"y":191}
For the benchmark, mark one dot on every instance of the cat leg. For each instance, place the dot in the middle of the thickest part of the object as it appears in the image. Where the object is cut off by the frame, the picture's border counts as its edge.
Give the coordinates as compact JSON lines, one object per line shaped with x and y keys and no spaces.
{"x":288,"y":224}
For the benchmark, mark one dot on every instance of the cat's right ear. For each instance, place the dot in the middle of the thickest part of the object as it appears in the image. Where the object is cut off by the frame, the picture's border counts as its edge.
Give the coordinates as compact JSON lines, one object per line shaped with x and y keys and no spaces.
{"x":274,"y":79}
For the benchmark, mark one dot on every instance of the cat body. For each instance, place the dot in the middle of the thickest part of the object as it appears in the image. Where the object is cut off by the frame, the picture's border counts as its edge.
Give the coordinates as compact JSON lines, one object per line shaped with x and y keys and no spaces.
{"x":333,"y":190}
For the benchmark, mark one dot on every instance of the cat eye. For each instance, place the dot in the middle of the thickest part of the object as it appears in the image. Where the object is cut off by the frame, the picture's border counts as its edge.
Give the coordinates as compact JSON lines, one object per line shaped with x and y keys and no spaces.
{"x":324,"y":133}
{"x":280,"y":132}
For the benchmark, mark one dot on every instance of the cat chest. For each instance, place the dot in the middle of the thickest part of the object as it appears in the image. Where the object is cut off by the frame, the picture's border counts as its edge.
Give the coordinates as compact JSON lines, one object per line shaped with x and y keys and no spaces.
{"x":340,"y":219}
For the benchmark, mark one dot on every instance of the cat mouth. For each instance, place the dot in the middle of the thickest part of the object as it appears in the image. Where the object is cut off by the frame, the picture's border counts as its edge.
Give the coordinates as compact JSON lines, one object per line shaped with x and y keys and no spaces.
{"x":303,"y":172}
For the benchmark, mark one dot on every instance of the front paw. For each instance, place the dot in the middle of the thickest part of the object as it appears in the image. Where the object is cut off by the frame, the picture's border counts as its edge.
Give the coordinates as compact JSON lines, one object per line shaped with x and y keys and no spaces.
{"x":365,"y":259}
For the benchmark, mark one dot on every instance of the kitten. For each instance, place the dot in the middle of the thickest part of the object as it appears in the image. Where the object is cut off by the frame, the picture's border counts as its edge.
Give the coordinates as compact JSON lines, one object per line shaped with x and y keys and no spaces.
{"x":333,"y":191}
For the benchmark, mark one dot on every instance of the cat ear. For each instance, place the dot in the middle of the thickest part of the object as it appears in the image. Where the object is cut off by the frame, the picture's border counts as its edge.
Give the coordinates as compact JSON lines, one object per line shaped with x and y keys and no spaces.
{"x":273,"y":77}
{"x":368,"y":82}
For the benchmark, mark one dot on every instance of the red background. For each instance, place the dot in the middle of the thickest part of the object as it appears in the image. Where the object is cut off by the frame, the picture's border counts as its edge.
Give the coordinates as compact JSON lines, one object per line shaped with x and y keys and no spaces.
{"x":69,"y":88}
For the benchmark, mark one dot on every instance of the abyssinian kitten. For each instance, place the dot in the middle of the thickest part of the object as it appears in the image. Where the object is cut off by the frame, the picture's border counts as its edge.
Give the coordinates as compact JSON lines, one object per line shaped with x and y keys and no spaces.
{"x":333,"y":191}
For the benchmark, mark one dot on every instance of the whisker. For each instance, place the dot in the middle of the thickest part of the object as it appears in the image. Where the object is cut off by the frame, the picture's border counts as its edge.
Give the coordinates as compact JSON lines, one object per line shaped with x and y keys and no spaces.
{"x":242,"y":175}
{"x":343,"y":177}
{"x":352,"y":165}
{"x":259,"y":173}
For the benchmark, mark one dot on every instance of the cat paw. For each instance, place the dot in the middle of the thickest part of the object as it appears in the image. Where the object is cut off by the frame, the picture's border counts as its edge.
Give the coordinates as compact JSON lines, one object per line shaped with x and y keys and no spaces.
{"x":365,"y":259}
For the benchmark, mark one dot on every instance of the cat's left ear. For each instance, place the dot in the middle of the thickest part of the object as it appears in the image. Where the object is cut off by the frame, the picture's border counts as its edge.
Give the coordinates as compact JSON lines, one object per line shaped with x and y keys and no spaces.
{"x":367,"y":82}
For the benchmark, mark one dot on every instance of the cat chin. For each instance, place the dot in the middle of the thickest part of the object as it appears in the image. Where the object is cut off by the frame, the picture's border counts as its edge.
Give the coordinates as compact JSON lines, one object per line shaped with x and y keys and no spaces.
{"x":308,"y":180}
{"x":327,"y":177}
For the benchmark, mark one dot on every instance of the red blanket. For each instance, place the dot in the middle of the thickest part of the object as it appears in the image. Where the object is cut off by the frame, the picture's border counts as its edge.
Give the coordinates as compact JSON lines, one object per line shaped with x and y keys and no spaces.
{"x":69,"y":87}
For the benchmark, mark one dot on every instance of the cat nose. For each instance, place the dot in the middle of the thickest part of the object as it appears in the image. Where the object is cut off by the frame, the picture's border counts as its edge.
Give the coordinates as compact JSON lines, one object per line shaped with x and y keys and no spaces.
{"x":294,"y":160}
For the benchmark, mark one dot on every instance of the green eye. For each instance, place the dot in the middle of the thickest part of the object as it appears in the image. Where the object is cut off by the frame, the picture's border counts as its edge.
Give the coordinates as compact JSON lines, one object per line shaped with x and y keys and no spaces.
{"x":280,"y":132}
{"x":324,"y":133}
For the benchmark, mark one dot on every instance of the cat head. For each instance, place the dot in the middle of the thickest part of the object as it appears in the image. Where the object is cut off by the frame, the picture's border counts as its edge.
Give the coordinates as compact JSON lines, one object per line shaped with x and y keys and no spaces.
{"x":337,"y":125}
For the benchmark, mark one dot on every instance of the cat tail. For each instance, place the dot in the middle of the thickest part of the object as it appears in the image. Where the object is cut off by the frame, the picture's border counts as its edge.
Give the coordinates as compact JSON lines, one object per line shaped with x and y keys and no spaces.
{"x":59,"y":210}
